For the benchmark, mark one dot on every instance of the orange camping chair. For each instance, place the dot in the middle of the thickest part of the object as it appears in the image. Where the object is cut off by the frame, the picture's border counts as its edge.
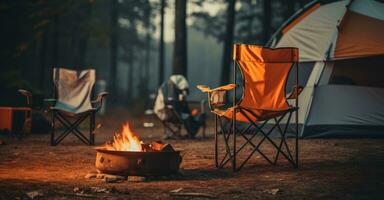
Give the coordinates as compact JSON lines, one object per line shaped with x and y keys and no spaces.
{"x":264,"y":100}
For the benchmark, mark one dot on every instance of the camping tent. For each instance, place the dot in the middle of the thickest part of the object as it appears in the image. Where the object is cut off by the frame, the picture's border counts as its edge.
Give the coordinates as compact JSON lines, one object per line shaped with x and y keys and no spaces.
{"x":341,"y":66}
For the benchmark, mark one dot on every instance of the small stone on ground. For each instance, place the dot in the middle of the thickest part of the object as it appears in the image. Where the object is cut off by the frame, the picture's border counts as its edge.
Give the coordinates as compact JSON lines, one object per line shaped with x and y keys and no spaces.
{"x":136,"y":178}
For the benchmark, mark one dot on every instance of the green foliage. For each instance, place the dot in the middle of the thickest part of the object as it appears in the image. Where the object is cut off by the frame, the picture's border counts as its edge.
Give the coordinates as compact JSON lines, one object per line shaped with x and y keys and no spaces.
{"x":13,"y":80}
{"x":248,"y":22}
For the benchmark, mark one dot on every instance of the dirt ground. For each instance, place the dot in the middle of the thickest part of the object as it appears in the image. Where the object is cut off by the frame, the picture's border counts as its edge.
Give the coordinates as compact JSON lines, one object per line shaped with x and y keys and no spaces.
{"x":329,"y":169}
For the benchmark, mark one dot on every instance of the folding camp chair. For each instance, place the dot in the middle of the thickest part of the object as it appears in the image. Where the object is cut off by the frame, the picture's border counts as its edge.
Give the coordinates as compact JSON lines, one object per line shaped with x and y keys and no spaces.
{"x":72,"y":103}
{"x":173,"y":110}
{"x":264,"y":72}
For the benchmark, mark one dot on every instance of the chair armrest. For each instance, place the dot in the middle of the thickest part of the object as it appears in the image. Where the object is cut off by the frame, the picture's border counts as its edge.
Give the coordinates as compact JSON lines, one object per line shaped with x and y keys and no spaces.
{"x":205,"y":88}
{"x":48,"y":103}
{"x":27,"y":94}
{"x":296,"y":91}
{"x":50,"y":100}
{"x":216,"y":96}
{"x":99,"y":99}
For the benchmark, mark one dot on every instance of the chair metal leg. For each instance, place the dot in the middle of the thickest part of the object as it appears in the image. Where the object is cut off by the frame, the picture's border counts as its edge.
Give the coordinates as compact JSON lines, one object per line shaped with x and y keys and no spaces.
{"x":226,"y":136}
{"x":232,"y":150}
{"x":297,"y":138}
{"x":92,"y":129}
{"x":204,"y":127}
{"x":283,"y":141}
{"x":72,"y":127}
{"x":234,"y":169}
{"x":216,"y":144}
{"x":53,"y":129}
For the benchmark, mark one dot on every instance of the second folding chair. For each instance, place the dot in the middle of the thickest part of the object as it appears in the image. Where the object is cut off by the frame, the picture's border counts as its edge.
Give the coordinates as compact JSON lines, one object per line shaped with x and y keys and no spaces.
{"x":263,"y":107}
{"x":72,"y":104}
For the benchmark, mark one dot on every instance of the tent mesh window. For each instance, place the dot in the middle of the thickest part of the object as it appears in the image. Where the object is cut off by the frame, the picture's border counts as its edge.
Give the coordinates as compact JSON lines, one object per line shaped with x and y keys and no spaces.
{"x":360,"y":72}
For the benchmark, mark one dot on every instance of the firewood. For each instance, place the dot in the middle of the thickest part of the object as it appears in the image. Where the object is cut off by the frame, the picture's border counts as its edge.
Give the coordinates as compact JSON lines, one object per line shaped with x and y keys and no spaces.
{"x":167,"y":147}
{"x":109,"y":178}
{"x":146,"y":147}
{"x":157,"y":145}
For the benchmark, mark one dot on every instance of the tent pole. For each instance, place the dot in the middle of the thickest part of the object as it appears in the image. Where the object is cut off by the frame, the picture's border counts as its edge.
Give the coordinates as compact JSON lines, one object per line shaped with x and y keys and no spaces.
{"x":234,"y":118}
{"x":297,"y":114}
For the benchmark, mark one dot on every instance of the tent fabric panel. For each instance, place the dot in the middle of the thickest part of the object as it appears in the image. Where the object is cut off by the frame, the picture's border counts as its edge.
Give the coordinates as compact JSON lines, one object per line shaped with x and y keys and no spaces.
{"x":305,"y":98}
{"x":314,"y":34}
{"x":347,"y":105}
{"x":342,"y":131}
{"x":370,"y":8}
{"x":305,"y":71}
{"x":359,"y":36}
{"x":301,"y":17}
{"x":360,"y":71}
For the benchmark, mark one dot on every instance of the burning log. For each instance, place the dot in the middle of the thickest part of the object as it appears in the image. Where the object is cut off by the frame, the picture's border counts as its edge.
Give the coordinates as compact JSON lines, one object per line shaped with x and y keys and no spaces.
{"x":159,"y":146}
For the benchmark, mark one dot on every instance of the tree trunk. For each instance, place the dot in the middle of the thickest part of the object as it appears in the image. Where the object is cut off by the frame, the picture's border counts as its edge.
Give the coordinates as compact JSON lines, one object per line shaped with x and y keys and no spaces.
{"x":161,"y":45}
{"x":55,"y":51}
{"x":267,"y":19}
{"x":147,"y":61}
{"x":43,"y":58}
{"x":83,"y":43}
{"x":289,"y":8}
{"x":228,"y":42}
{"x":130,"y":80}
{"x":113,"y":48}
{"x":180,"y":44}
{"x":55,"y":46}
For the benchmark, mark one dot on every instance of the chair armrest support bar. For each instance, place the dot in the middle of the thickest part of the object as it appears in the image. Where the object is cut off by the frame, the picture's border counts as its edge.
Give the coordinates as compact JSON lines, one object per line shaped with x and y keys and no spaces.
{"x":216,"y":96}
{"x":205,"y":88}
{"x":296,"y":91}
{"x":99,"y":99}
{"x":27,"y":94}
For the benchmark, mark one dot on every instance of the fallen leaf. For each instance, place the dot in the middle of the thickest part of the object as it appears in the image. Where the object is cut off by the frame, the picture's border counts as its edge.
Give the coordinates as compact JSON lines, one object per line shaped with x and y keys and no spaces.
{"x":272,"y":191}
{"x":100,"y":190}
{"x":34,"y":194}
{"x":98,"y":125}
{"x":194,"y":194}
{"x":76,"y":189}
{"x":90,"y":175}
{"x":177,"y":190}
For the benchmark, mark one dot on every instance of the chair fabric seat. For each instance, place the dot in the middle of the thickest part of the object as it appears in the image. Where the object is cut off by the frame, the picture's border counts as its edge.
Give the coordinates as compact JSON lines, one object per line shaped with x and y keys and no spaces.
{"x":73,"y":114}
{"x":254,"y":114}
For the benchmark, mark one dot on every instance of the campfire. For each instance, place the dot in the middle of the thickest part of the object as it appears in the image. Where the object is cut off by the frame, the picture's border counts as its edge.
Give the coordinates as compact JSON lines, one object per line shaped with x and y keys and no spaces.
{"x":127,"y":140}
{"x":128,"y":155}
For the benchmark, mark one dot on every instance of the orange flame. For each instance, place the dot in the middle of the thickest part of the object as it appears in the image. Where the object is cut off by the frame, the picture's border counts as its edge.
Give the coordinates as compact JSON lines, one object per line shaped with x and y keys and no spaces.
{"x":127,"y":140}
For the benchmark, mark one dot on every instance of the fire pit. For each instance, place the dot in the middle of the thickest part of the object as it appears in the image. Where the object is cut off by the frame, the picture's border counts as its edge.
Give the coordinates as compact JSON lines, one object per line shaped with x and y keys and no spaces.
{"x":127,"y":155}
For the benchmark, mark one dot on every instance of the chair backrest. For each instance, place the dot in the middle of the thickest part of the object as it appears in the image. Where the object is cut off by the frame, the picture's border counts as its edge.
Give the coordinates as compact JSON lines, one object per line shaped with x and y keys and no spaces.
{"x":265,"y":73}
{"x":74,"y":89}
{"x":171,"y":97}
